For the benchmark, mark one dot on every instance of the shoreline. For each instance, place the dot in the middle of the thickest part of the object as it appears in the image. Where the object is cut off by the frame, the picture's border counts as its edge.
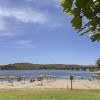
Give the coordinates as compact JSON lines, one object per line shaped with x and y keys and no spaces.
{"x":53,"y":85}
{"x":96,"y":72}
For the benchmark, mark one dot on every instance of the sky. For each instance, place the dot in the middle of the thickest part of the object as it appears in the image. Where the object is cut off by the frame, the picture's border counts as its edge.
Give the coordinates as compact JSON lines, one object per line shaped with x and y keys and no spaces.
{"x":39,"y":32}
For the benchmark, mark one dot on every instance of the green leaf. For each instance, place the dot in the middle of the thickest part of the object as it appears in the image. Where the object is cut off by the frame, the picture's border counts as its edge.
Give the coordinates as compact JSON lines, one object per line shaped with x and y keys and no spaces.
{"x":92,"y":28}
{"x":70,"y":13}
{"x":96,"y":3}
{"x":86,"y":16}
{"x":81,"y":29}
{"x":77,"y":22}
{"x":76,"y":11}
{"x":67,"y":5}
{"x":82,"y":3}
{"x":95,"y":37}
{"x":86,"y":32}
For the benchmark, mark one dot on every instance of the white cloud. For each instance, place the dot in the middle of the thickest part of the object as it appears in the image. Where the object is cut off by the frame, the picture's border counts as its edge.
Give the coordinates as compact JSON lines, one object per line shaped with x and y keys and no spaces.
{"x":4,"y":12}
{"x":23,"y":14}
{"x":7,"y":34}
{"x":54,"y":3}
{"x":18,"y":44}
{"x":19,"y":47}
{"x":18,"y":14}
{"x":22,"y":44}
{"x":27,"y":15}
{"x":2,"y":24}
{"x":56,"y":24}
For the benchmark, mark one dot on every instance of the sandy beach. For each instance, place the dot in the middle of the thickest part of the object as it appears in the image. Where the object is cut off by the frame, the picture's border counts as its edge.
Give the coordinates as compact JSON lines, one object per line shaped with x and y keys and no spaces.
{"x":98,"y":72}
{"x":58,"y":84}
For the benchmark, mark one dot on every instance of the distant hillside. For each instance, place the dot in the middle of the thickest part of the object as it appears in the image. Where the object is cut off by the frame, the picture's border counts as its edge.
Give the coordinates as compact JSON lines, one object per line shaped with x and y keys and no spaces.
{"x":21,"y":66}
{"x":30,"y":66}
{"x":0,"y":67}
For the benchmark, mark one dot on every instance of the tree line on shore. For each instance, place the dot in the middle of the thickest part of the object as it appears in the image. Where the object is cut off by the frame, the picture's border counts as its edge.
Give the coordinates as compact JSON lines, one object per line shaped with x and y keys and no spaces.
{"x":30,"y":66}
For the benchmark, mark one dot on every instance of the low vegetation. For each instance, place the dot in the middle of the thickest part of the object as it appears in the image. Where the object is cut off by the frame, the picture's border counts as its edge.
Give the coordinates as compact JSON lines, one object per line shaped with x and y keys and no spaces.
{"x":49,"y":95}
{"x":30,"y":66}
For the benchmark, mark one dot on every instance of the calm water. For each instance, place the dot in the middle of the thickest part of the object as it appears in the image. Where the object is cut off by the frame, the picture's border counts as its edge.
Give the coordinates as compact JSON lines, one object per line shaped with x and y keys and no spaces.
{"x":61,"y":74}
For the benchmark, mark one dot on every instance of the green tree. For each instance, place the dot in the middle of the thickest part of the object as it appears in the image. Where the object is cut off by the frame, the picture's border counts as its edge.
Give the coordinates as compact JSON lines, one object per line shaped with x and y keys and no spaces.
{"x":98,"y":63}
{"x":85,"y":16}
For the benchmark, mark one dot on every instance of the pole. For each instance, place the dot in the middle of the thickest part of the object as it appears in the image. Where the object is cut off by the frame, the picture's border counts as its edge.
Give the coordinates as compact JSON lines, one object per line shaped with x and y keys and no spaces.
{"x":71,"y":85}
{"x":71,"y":78}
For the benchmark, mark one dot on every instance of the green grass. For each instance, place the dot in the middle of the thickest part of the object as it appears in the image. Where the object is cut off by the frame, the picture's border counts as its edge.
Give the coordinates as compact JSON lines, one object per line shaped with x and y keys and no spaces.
{"x":50,"y":95}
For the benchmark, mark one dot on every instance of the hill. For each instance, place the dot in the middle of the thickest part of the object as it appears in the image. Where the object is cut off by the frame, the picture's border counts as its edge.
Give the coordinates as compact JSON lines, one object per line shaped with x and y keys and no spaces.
{"x":30,"y":66}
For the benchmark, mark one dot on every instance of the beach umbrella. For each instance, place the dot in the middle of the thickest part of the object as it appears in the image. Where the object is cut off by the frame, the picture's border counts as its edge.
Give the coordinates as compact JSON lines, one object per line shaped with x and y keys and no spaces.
{"x":23,"y":77}
{"x":2,"y":78}
{"x":12,"y":78}
{"x":40,"y":78}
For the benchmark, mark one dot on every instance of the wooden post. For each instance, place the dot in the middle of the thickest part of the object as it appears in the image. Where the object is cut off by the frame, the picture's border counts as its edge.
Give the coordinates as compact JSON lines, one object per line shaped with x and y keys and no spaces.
{"x":71,"y":85}
{"x":12,"y":81}
{"x":24,"y":78}
{"x":50,"y":79}
{"x":93,"y":78}
{"x":2,"y":81}
{"x":47,"y":78}
{"x":41,"y":81}
{"x":71,"y":78}
{"x":53,"y":78}
{"x":41,"y":78}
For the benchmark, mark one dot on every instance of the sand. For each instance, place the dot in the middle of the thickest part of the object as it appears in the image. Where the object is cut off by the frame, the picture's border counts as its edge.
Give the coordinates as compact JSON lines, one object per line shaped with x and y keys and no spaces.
{"x":58,"y":84}
{"x":98,"y":72}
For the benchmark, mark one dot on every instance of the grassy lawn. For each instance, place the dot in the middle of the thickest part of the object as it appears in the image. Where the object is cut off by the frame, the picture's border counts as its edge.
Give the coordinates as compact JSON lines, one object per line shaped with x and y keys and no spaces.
{"x":50,"y":95}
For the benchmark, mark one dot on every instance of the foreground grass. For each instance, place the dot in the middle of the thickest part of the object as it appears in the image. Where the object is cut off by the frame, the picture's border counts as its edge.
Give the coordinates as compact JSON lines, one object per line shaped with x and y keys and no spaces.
{"x":49,"y":95}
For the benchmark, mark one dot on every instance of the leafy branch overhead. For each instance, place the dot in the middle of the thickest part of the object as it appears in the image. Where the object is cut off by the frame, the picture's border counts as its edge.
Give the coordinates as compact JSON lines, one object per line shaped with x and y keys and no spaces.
{"x":86,"y":16}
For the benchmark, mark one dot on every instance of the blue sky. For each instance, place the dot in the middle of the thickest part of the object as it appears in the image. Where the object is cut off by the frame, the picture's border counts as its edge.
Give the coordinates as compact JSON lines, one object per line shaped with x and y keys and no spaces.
{"x":38,"y":31}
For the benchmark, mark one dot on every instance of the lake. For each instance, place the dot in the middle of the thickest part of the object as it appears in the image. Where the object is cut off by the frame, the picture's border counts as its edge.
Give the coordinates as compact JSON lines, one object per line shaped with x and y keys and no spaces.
{"x":61,"y":74}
